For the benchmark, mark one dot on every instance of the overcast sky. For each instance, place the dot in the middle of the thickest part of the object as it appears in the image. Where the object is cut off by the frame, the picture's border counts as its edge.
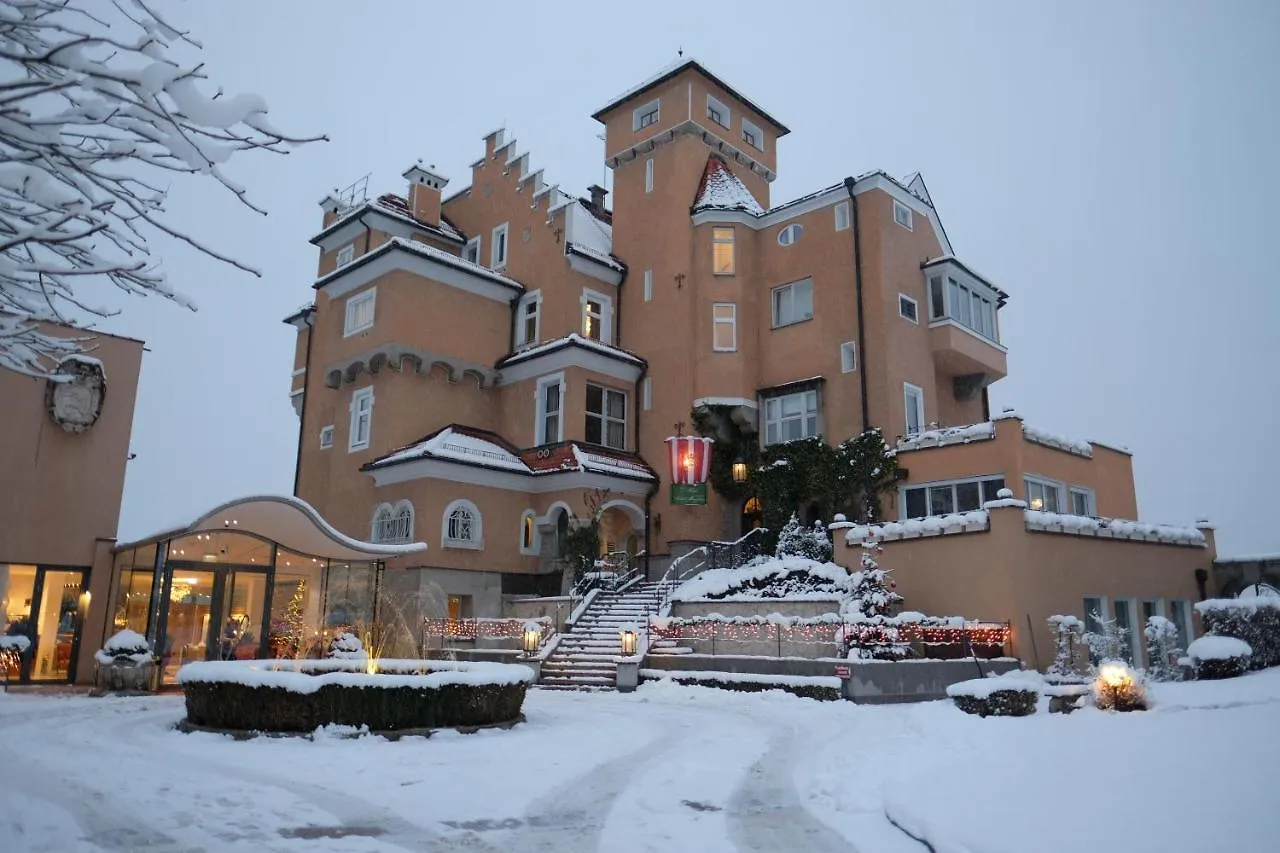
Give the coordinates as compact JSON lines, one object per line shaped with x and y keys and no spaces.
{"x":1110,"y":165}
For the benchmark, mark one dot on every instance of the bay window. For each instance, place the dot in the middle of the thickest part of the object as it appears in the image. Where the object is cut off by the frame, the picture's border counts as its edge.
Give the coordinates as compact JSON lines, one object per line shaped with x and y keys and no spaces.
{"x":606,"y":417}
{"x":791,"y":417}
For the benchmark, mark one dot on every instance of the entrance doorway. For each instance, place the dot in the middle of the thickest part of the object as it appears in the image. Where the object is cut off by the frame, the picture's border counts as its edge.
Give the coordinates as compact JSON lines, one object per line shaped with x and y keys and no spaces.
{"x":752,"y":516}
{"x":210,"y":614}
{"x":46,"y":604}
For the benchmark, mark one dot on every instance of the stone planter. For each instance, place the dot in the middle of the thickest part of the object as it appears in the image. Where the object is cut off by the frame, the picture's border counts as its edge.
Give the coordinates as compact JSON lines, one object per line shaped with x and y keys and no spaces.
{"x":125,"y":676}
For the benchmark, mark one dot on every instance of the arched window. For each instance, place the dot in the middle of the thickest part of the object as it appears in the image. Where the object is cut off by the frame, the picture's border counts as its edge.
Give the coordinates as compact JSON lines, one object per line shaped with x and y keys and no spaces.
{"x":393,"y":523}
{"x":462,"y":526}
{"x":528,"y":533}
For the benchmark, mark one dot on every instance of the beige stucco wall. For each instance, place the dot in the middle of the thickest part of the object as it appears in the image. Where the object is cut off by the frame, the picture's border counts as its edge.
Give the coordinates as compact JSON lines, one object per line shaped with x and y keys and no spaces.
{"x":1009,"y":573}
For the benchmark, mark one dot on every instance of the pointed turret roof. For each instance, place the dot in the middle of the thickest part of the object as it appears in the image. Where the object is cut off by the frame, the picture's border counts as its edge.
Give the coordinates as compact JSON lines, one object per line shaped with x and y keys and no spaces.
{"x":721,"y":189}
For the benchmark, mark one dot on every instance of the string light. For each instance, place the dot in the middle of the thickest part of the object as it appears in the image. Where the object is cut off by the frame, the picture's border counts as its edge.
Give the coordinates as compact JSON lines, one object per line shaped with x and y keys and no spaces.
{"x":824,"y":630}
{"x":470,"y":629}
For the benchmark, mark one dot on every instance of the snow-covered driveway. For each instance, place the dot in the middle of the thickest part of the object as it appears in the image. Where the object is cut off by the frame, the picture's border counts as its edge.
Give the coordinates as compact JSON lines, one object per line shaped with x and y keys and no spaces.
{"x":667,"y":768}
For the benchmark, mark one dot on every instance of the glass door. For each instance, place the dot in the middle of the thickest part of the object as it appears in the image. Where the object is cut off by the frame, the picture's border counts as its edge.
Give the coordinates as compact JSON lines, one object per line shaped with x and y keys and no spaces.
{"x":242,"y":609}
{"x":186,"y":614}
{"x":56,"y":616}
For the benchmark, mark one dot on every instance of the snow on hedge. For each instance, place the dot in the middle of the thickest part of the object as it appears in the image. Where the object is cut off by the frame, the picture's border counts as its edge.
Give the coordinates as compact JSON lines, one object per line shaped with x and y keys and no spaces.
{"x":124,"y":645}
{"x":1237,"y":606}
{"x":914,"y":528}
{"x":793,"y":578}
{"x":741,"y":677}
{"x":310,"y":675}
{"x":982,"y":688}
{"x":14,"y":641}
{"x":1211,"y":647}
{"x":1113,"y":528}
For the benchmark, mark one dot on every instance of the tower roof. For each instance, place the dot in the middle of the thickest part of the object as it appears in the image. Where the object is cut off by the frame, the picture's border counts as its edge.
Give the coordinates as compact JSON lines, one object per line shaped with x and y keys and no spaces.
{"x":721,"y":189}
{"x":671,"y":71}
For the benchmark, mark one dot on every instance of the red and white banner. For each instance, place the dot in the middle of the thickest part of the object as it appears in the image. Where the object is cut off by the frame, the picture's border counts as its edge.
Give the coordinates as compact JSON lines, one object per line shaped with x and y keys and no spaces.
{"x":690,"y":459}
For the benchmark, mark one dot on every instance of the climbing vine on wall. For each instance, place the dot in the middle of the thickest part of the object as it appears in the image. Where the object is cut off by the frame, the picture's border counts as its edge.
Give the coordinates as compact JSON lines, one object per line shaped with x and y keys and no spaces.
{"x":848,"y":478}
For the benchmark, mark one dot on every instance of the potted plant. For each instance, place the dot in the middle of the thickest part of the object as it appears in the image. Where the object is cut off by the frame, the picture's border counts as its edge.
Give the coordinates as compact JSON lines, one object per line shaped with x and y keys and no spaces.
{"x":126,"y":662}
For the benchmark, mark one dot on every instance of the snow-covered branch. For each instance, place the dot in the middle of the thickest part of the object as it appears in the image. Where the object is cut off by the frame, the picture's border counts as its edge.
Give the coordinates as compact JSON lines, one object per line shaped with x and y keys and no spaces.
{"x":92,"y":99}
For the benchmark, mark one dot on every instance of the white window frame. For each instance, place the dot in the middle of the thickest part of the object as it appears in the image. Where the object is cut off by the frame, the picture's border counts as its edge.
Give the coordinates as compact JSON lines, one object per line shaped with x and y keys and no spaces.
{"x":915,"y":308}
{"x":467,"y":250}
{"x":1091,"y":500}
{"x":326,"y":437}
{"x":646,"y":393}
{"x":499,"y":247}
{"x":903,"y":511}
{"x":530,"y":303}
{"x":771,"y":415}
{"x":607,"y":419}
{"x":789,"y":290}
{"x":731,"y":321}
{"x":959,"y":295}
{"x":842,"y":216}
{"x":346,"y":255}
{"x":791,"y":234}
{"x":648,"y":174}
{"x":848,"y":356}
{"x":535,"y":546}
{"x":726,"y":118}
{"x":749,"y":129}
{"x":540,"y":415}
{"x":903,"y":215}
{"x":389,"y":522}
{"x":909,"y":392}
{"x":354,"y":442}
{"x":476,"y":542}
{"x":719,"y":238}
{"x":1045,"y":483}
{"x":606,"y":314}
{"x":648,"y":285}
{"x":646,"y":115}
{"x":352,"y":309}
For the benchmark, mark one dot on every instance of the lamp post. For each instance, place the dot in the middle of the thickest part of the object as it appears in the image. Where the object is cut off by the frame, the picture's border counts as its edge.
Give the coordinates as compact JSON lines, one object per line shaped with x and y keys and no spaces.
{"x":628,"y":636}
{"x":532,"y":639}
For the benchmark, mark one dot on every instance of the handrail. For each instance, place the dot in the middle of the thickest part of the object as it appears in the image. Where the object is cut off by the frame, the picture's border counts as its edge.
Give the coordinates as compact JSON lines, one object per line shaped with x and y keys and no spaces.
{"x":676,"y":572}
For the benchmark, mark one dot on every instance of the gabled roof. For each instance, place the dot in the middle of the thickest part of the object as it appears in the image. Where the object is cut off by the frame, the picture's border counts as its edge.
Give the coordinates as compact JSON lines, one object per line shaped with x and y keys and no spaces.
{"x":486,"y":449}
{"x":669,"y":71}
{"x":721,"y":189}
{"x":417,"y":248}
{"x":571,"y":340}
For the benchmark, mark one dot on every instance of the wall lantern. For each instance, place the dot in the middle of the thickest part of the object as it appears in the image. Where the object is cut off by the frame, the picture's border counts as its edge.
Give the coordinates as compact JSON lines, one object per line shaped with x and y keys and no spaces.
{"x":628,"y":642}
{"x":739,"y":471}
{"x":532,"y":639}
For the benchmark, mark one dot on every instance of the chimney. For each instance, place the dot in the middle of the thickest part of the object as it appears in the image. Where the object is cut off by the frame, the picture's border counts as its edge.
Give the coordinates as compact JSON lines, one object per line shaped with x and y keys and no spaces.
{"x":424,"y":192}
{"x":597,"y":196}
{"x":331,"y":206}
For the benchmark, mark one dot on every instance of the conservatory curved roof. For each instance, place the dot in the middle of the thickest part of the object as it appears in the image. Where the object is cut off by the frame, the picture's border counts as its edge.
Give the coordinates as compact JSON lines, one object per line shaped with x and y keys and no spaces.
{"x":288,"y":521}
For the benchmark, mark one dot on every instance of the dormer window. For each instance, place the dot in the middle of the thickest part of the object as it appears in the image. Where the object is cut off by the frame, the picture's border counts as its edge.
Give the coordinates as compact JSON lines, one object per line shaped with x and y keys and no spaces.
{"x":645,"y":116}
{"x":718,"y":112}
{"x":752,"y":135}
{"x":471,"y":252}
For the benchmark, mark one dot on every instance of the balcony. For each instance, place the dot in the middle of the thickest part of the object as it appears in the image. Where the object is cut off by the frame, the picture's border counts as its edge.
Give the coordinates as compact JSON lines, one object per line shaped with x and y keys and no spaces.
{"x":964,"y":332}
{"x":960,"y":352}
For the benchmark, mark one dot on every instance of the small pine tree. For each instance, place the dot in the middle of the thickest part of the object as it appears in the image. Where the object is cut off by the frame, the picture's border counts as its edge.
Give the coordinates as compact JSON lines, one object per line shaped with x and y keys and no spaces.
{"x":874,"y":600}
{"x":1067,"y":631}
{"x":796,"y":540}
{"x":1162,"y":649}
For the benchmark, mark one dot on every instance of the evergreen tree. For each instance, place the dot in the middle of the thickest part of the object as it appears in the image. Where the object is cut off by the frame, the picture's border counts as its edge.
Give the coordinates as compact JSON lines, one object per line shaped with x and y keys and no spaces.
{"x":1162,"y":649}
{"x":1067,"y":631}
{"x":796,"y":540}
{"x":872,"y":604}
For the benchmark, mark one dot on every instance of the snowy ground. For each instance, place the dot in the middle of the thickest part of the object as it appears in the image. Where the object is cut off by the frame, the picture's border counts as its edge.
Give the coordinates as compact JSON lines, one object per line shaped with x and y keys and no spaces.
{"x":666,"y":769}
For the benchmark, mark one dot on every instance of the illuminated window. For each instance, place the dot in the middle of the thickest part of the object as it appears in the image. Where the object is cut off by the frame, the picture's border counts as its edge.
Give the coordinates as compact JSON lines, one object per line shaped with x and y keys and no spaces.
{"x":724,"y":327}
{"x":597,"y":316}
{"x":722,"y":251}
{"x":1044,"y":494}
{"x":528,"y":533}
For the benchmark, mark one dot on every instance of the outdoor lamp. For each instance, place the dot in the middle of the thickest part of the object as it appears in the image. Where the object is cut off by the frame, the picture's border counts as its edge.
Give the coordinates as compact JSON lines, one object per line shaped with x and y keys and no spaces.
{"x":628,"y":643}
{"x":532,"y":638}
{"x":739,"y":471}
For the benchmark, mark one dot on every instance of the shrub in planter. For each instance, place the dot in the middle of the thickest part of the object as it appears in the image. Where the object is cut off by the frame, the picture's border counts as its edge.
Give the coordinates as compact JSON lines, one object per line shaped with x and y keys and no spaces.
{"x":125,"y":662}
{"x":1118,"y":688}
{"x":1256,"y":621}
{"x":347,"y":646}
{"x":1215,"y":657}
{"x":1010,"y":695}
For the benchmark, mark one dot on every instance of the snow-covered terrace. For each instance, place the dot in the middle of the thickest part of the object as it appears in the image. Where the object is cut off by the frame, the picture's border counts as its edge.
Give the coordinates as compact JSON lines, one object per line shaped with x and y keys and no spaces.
{"x":944,"y":436}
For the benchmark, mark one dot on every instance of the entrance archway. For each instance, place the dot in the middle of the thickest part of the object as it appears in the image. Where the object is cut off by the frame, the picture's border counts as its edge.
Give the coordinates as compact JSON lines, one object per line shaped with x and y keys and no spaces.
{"x":752,"y":515}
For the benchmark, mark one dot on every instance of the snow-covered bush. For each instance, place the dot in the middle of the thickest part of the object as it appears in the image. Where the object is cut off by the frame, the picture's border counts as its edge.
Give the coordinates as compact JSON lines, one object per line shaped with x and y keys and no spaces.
{"x":1067,"y":633}
{"x":347,"y":646}
{"x":796,"y":540}
{"x":125,"y":648}
{"x":873,"y":602}
{"x":1162,"y":649}
{"x":1214,"y":657}
{"x":768,"y":577}
{"x":1118,"y":688}
{"x":1254,"y":620}
{"x":1013,"y":694}
{"x":1108,"y":642}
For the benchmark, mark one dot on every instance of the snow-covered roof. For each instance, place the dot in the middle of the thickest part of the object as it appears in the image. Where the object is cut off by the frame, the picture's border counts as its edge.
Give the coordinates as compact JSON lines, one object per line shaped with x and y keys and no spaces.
{"x":949,"y":435}
{"x":396,"y":207}
{"x":572,"y":339}
{"x":595,"y":255}
{"x":472,"y":446}
{"x":721,"y":189}
{"x":913,"y":528}
{"x":672,"y":69}
{"x":426,"y":251}
{"x":1113,"y":528}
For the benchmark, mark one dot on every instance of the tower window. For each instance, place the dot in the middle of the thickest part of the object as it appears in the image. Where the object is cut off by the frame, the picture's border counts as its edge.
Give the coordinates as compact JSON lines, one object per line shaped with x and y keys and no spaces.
{"x":722,"y":251}
{"x":646,"y":115}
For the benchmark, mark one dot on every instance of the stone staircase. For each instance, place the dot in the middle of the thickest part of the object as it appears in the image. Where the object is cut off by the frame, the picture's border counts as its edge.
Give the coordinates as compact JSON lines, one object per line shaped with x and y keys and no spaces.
{"x":585,"y":657}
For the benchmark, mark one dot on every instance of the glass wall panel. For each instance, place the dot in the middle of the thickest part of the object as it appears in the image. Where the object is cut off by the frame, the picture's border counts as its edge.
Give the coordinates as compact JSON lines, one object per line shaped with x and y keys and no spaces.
{"x":134,"y":572}
{"x":349,"y":598}
{"x":187,"y":626}
{"x":17,"y":585}
{"x":295,"y":607}
{"x":243,"y":605}
{"x":57,"y":624}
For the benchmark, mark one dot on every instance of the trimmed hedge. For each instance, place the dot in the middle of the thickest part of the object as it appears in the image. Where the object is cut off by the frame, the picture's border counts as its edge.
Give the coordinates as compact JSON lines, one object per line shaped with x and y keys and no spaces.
{"x":804,"y":691}
{"x":1001,"y":703}
{"x":1209,"y":670}
{"x":1254,"y":620}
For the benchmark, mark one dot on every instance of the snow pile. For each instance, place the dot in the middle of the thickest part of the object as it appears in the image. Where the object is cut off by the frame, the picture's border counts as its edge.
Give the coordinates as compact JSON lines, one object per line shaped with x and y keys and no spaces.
{"x":1054,"y":440}
{"x":309,"y":676}
{"x":347,"y":646}
{"x":951,"y":435}
{"x":1212,"y":647}
{"x":1237,"y":606}
{"x":1114,"y":528}
{"x":125,"y":647}
{"x":17,"y":642}
{"x":982,"y":688}
{"x":914,"y":528}
{"x":793,"y":578}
